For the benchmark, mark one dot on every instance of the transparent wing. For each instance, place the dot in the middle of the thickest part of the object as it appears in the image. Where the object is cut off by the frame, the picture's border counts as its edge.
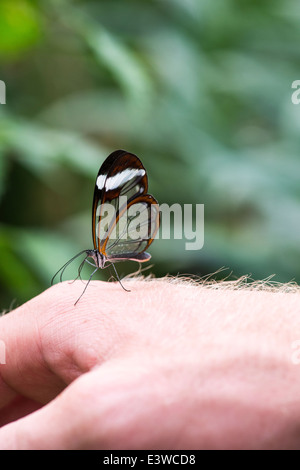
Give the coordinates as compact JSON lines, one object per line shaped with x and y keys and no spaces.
{"x":134,"y":229}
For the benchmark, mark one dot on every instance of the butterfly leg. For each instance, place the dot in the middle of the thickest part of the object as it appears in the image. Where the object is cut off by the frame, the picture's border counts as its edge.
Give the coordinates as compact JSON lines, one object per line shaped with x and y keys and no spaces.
{"x":127,"y":290}
{"x":92,"y":264}
{"x":89,"y":280}
{"x":79,"y":271}
{"x":81,"y":267}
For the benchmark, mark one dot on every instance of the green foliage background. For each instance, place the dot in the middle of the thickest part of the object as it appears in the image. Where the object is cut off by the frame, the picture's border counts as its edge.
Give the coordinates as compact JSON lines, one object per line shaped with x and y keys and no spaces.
{"x":200,"y":90}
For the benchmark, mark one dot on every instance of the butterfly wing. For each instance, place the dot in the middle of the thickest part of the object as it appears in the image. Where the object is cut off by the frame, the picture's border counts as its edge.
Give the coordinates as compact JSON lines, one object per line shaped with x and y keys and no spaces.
{"x":120,"y":197}
{"x":134,"y":230}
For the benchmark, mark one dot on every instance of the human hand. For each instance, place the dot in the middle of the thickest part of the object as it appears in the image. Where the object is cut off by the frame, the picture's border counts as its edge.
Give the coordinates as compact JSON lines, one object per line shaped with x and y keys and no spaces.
{"x":167,"y":366}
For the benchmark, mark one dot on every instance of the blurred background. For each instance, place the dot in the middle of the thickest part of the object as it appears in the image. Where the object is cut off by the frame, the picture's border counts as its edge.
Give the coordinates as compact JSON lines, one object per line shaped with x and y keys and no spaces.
{"x":200,"y":90}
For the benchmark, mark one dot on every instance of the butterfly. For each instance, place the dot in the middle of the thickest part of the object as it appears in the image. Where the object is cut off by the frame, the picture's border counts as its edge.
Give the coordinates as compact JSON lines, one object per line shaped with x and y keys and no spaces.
{"x":125,"y":218}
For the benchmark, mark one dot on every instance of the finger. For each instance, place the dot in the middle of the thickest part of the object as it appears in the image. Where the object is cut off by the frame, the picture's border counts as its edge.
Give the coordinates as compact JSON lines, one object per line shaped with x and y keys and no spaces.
{"x":49,"y":342}
{"x":96,"y":411}
{"x":25,"y":371}
{"x":17,"y":408}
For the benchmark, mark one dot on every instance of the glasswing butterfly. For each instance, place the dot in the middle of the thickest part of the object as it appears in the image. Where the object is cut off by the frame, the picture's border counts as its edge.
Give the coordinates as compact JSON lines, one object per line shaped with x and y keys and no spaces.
{"x":125,"y":219}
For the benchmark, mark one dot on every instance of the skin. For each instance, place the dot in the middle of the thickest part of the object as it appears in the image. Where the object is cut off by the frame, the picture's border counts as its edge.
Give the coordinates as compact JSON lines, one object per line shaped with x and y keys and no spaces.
{"x":169,"y":365}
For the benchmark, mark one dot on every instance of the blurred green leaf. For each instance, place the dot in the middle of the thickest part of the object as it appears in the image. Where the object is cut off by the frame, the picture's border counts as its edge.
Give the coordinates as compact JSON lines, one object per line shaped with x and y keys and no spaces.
{"x":20,"y":26}
{"x":3,"y":171}
{"x":16,"y":278}
{"x":42,"y":149}
{"x":201,"y":91}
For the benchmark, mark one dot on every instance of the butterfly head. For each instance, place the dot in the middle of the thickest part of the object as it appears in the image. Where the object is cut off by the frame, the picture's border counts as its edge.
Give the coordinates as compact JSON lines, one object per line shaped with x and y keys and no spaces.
{"x":98,"y":258}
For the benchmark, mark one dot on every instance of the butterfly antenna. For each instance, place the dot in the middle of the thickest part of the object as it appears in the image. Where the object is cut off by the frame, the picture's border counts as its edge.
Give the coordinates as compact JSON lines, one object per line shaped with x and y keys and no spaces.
{"x":62,"y":269}
{"x":127,"y":290}
{"x":69,"y":262}
{"x":85,"y":288}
